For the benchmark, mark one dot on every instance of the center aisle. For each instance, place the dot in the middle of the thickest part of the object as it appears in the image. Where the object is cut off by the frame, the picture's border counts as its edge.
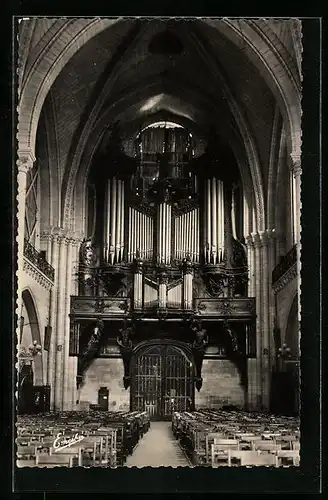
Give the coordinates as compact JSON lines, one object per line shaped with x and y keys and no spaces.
{"x":158,"y":447}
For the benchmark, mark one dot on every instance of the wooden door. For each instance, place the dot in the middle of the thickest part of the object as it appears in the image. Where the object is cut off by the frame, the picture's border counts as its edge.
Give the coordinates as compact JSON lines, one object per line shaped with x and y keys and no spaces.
{"x":162,"y":382}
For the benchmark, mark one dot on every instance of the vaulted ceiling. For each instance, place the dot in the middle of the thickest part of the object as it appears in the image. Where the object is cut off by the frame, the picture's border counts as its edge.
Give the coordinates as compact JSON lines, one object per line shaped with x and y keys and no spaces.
{"x":139,"y":71}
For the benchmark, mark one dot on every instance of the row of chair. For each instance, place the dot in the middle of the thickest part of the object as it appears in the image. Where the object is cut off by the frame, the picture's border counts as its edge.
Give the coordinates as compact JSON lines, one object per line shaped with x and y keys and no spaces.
{"x":238,"y":432}
{"x":103,"y":439}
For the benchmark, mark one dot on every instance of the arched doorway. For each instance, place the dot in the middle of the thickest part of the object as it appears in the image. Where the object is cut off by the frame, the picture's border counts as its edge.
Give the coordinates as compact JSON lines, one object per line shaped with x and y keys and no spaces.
{"x":162,"y":381}
{"x":30,"y":332}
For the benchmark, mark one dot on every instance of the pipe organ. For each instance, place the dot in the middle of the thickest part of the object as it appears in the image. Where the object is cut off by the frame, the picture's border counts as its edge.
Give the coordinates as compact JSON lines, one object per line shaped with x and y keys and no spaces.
{"x":113,"y":248}
{"x":164,"y":249}
{"x":214,"y":219}
{"x":166,"y":217}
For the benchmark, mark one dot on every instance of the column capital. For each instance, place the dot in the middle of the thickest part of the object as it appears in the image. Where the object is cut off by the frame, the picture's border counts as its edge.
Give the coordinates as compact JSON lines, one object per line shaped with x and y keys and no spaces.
{"x":25,"y":160}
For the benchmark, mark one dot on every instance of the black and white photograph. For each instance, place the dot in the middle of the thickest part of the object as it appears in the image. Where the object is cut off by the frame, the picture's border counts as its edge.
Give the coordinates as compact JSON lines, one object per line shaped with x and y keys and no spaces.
{"x":159,"y":242}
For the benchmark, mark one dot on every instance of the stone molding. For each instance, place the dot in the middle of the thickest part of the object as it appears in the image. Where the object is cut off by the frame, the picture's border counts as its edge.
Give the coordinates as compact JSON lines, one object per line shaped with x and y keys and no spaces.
{"x":285,"y":279}
{"x":36,"y":274}
{"x":25,"y":160}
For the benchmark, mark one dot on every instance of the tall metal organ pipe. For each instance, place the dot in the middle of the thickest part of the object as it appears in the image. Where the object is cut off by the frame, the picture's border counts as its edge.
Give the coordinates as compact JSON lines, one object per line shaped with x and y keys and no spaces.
{"x":164,"y":215}
{"x":214,"y":221}
{"x":113,"y":238}
{"x":140,"y":235}
{"x":186,"y":235}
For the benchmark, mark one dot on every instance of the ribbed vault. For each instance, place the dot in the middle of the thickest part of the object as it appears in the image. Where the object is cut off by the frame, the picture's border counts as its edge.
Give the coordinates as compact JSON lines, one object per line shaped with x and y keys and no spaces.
{"x":84,"y":74}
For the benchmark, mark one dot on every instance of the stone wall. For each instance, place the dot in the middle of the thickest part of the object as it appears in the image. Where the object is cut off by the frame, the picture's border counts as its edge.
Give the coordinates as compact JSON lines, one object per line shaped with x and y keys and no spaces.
{"x":285,"y":299}
{"x":105,"y":373}
{"x":221,"y":385}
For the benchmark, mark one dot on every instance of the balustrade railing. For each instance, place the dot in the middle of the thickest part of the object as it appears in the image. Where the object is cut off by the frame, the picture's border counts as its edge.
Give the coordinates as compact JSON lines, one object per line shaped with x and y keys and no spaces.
{"x":38,"y":260}
{"x":286,"y":263}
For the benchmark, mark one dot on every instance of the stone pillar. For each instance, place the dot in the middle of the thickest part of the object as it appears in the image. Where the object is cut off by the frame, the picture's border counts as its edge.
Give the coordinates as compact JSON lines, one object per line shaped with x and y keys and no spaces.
{"x":53,"y":318}
{"x":72,"y":362}
{"x":66,"y":400}
{"x":265,"y":329}
{"x":24,"y":164}
{"x":250,"y":264}
{"x":61,"y":320}
{"x":297,"y":169}
{"x":258,"y":294}
{"x":272,"y":309}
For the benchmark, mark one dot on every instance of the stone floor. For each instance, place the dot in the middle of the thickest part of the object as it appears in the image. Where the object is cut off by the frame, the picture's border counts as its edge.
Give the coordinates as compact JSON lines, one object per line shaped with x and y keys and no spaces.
{"x":158,"y":448}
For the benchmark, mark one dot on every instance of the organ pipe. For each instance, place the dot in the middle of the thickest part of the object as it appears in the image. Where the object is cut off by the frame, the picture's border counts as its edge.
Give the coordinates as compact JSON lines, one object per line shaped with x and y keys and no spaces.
{"x":140,"y":235}
{"x":214,"y":221}
{"x":186,"y":235}
{"x":113,"y":221}
{"x":113,"y":238}
{"x":233,"y":214}
{"x":164,"y":233}
{"x":122,"y":223}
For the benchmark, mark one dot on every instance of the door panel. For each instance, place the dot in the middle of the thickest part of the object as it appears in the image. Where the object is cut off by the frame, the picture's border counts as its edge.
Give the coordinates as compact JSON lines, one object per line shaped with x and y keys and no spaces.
{"x":162,"y":382}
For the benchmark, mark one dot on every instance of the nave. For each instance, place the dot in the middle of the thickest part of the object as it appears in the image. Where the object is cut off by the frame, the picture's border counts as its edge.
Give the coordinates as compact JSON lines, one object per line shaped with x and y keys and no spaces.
{"x":208,"y":437}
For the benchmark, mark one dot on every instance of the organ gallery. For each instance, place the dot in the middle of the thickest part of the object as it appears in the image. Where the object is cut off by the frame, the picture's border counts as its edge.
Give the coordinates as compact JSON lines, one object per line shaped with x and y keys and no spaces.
{"x":164,"y":265}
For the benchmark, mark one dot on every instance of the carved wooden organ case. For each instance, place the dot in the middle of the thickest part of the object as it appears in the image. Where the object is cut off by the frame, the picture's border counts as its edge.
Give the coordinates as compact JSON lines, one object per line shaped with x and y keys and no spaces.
{"x":164,"y":241}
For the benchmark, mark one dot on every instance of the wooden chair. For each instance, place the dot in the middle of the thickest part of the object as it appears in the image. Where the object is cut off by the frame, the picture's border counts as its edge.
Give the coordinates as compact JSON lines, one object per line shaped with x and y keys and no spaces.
{"x":288,"y":457}
{"x":54,"y":460}
{"x":266,"y":445}
{"x":250,"y":458}
{"x":25,"y":463}
{"x":210,"y":439}
{"x":26,"y":452}
{"x":73,"y":451}
{"x":219,"y":456}
{"x":296,"y":445}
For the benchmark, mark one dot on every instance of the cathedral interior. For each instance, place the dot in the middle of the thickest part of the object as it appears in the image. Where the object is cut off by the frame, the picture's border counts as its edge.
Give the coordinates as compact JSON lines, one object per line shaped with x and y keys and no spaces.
{"x":158,"y":216}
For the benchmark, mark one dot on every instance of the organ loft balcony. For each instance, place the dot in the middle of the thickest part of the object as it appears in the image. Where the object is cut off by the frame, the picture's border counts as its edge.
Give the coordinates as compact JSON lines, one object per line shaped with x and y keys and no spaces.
{"x":165,"y":255}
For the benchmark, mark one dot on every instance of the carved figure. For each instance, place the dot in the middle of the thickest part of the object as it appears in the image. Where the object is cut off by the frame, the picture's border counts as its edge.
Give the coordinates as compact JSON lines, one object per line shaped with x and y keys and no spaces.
{"x":233,"y":338}
{"x":198,"y":348}
{"x":124,"y":341}
{"x":88,"y":255}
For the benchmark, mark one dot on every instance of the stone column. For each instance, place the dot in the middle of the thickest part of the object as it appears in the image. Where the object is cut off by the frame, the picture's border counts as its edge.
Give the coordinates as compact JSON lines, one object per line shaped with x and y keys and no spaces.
{"x":297,"y":169}
{"x":72,"y":362}
{"x":61,"y":319}
{"x":258,"y":294}
{"x":53,"y":317}
{"x":66,"y":400}
{"x":24,"y":164}
{"x":271,"y":310}
{"x":250,"y":263}
{"x":265,"y":311}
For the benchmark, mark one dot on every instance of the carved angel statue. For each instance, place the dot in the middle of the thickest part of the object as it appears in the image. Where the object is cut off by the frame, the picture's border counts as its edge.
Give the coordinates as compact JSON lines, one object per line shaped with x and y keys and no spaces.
{"x":233,"y":337}
{"x":95,"y":338}
{"x":124,"y":338}
{"x":201,"y":340}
